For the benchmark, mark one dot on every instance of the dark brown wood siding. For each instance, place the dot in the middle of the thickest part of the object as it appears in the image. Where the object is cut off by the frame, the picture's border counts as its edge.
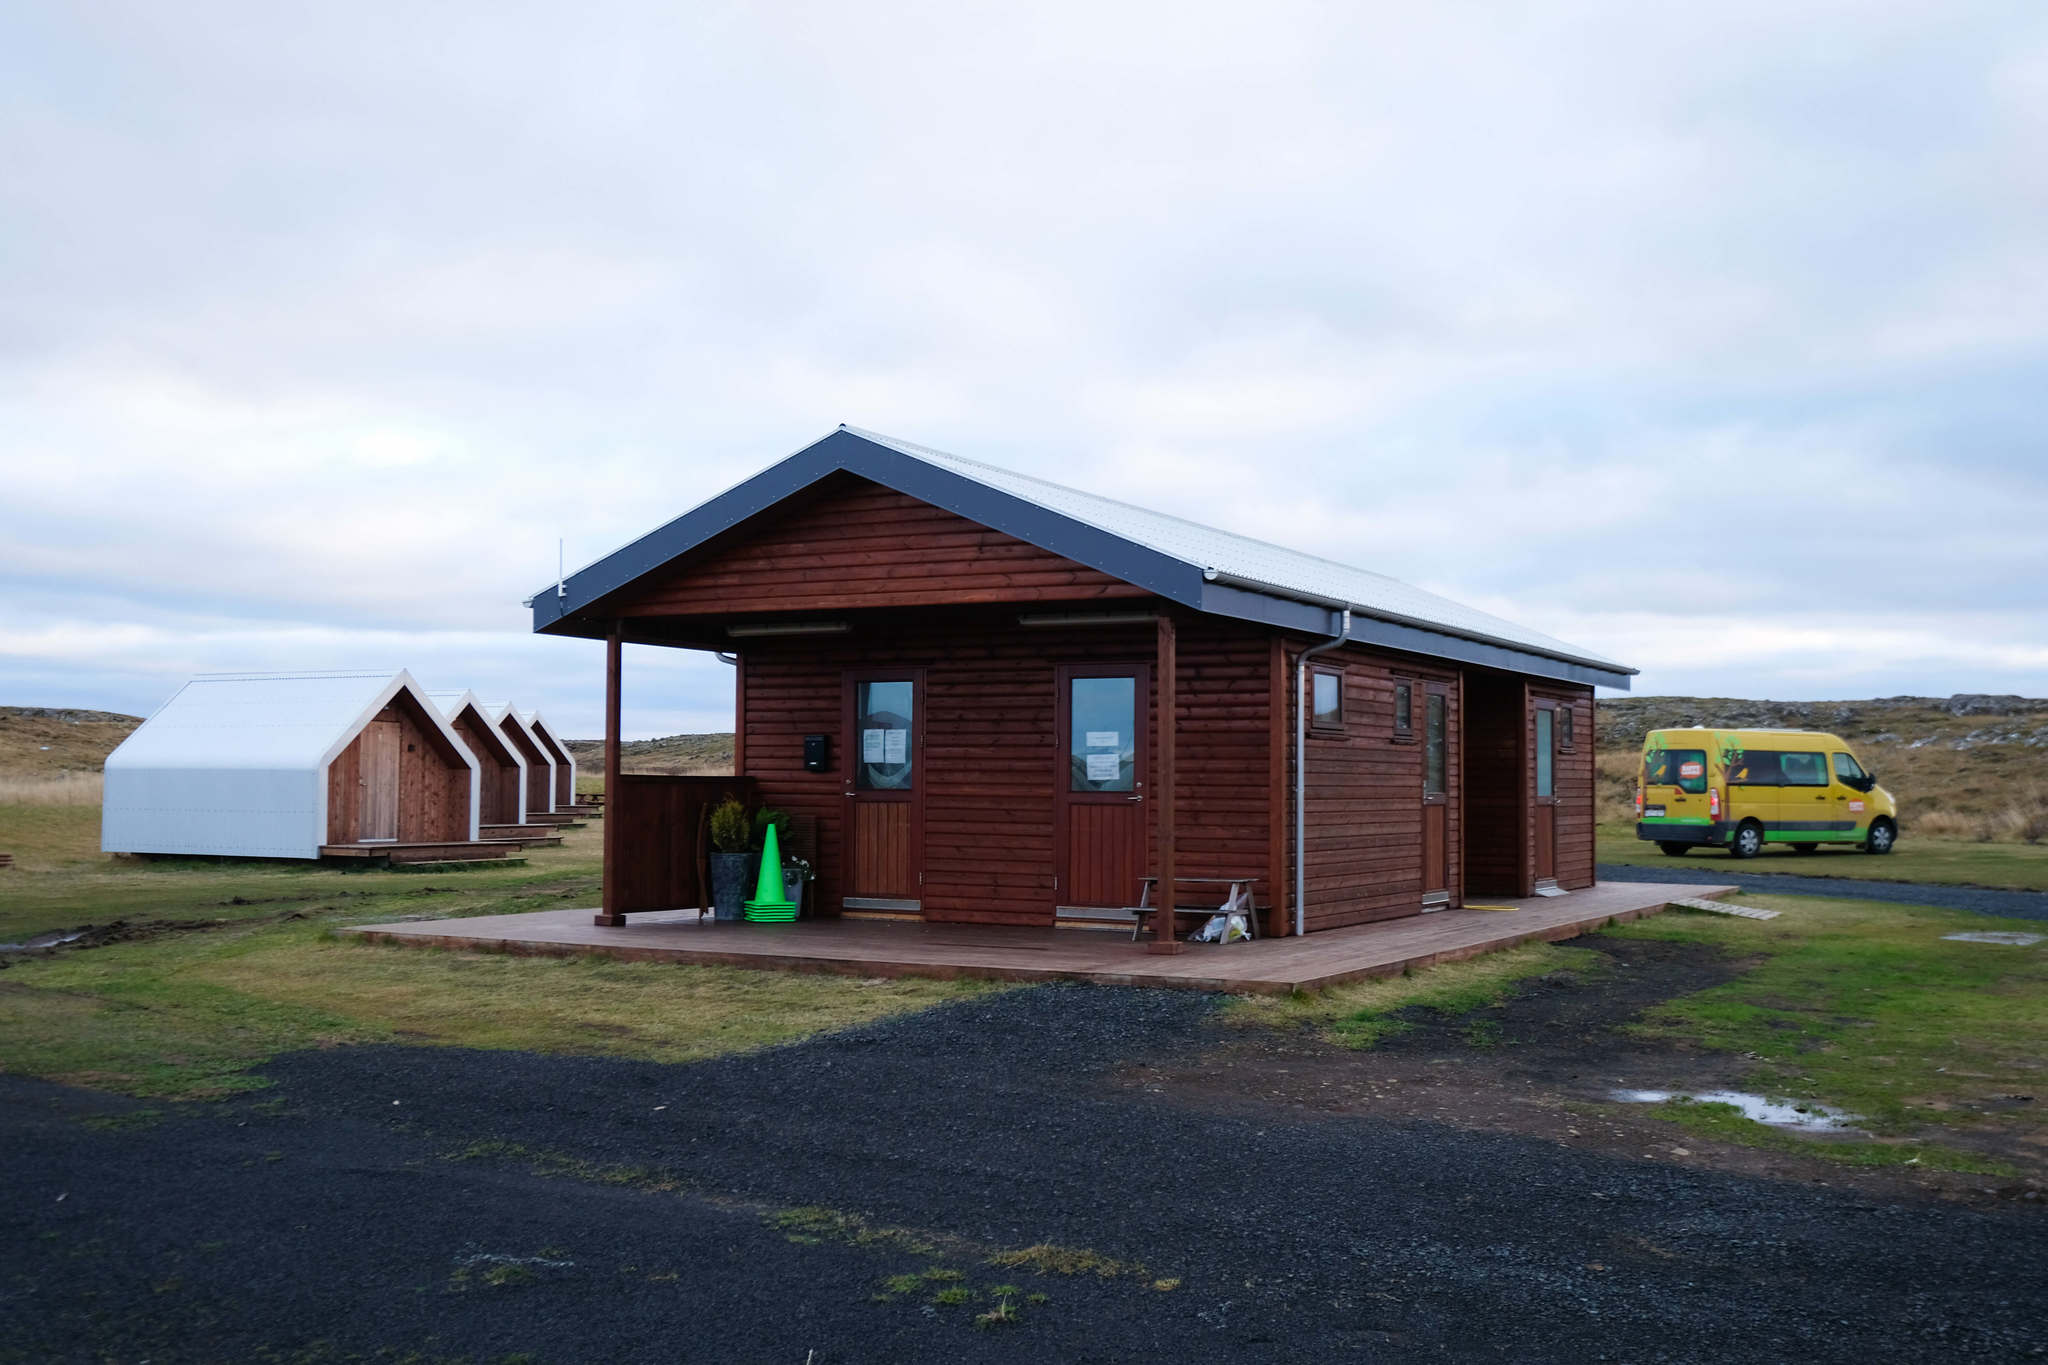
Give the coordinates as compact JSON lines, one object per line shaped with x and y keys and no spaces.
{"x":853,"y":544}
{"x":433,"y":784}
{"x":990,"y":754}
{"x":1364,"y":792}
{"x":498,"y":788}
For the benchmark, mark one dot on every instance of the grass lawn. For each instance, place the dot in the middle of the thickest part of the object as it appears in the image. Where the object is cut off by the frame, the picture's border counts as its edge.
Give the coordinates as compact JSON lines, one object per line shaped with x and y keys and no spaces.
{"x":2013,"y":867}
{"x":188,"y":1014}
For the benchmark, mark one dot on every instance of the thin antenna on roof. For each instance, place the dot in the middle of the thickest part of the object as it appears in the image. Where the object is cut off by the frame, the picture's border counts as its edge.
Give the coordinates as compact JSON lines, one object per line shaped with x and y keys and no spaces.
{"x":561,"y":579}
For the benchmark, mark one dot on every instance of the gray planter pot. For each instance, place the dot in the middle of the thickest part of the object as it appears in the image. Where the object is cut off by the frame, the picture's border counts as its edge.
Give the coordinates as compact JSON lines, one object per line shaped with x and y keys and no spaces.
{"x":793,"y":889}
{"x":730,"y":886}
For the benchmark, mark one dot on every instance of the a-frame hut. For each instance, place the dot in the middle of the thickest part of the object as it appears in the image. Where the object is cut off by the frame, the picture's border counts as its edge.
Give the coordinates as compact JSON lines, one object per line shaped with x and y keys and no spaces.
{"x":558,"y":754}
{"x":292,"y":765}
{"x":540,"y":768}
{"x":502,"y":768}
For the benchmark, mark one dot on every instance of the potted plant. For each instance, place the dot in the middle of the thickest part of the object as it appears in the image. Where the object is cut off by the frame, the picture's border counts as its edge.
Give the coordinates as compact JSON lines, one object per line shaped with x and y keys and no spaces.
{"x":795,"y":872}
{"x":730,"y":835}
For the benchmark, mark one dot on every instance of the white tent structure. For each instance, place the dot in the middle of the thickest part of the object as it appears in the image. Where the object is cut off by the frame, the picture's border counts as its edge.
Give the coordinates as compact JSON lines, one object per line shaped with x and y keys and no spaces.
{"x":540,"y":772}
{"x":282,"y":765}
{"x":503,"y":766}
{"x":558,"y":753}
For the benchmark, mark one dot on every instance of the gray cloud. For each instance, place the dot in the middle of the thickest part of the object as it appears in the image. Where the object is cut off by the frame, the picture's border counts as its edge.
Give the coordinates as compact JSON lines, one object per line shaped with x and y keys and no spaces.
{"x":1657,"y":329}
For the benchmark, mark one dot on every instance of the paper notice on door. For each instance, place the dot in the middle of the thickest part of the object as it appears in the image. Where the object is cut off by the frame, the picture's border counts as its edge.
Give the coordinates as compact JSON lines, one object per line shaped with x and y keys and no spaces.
{"x":1105,"y":739}
{"x":872,"y":746}
{"x":895,"y":746}
{"x":1105,"y":767}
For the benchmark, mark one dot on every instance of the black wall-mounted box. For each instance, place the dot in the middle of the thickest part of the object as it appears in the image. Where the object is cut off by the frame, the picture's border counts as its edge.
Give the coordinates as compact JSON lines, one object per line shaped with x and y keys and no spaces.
{"x":817,"y":753}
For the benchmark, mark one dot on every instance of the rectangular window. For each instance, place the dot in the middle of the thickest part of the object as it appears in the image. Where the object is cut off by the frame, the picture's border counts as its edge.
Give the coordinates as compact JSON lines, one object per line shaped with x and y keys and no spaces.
{"x":1756,"y":768}
{"x":1102,"y":734}
{"x":883,"y":714}
{"x":1326,"y":690}
{"x":1546,"y":755}
{"x":1564,"y":729}
{"x":1685,"y":769}
{"x":1433,"y":743}
{"x":1848,"y":770}
{"x":1804,"y":770}
{"x":1404,"y":710}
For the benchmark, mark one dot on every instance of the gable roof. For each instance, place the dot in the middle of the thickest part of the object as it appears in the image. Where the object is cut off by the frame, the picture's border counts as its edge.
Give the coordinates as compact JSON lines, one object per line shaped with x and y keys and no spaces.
{"x":1197,"y":566}
{"x":267,"y":720}
{"x":454,"y":703}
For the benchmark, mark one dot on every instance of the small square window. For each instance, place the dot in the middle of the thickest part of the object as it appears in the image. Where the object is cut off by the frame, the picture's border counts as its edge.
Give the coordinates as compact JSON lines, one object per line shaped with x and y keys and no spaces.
{"x":1404,"y":710}
{"x":1327,"y":694}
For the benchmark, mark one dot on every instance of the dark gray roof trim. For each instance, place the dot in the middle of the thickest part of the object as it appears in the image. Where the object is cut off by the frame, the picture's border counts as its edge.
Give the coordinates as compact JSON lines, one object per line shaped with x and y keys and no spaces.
{"x":1174,"y":579}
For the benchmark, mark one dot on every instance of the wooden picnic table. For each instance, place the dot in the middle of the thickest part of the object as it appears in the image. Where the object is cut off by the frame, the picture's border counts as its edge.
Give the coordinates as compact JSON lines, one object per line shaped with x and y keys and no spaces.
{"x":1240,"y":890}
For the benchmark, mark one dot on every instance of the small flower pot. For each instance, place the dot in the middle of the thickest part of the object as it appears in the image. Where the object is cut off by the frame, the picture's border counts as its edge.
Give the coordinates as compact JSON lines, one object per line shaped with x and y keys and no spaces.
{"x":793,"y":887}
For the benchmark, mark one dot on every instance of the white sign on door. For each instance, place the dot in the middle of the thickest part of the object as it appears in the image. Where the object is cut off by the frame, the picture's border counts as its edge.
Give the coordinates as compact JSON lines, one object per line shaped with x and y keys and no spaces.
{"x":1105,"y":739}
{"x":871,"y":746}
{"x":895,"y":746}
{"x":1105,"y":767}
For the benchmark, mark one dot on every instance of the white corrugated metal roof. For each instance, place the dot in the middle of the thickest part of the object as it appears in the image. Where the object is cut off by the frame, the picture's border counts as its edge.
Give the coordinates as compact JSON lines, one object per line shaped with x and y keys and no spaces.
{"x":252,"y":720}
{"x":1279,"y":570}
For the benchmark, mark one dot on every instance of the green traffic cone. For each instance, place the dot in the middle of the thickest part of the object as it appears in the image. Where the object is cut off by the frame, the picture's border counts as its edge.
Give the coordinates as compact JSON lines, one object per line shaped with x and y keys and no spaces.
{"x":768,"y":892}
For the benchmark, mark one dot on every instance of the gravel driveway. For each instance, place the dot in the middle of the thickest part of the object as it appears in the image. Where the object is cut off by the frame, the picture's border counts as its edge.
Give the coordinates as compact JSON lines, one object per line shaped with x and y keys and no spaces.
{"x":380,"y":1201}
{"x":1976,"y":899}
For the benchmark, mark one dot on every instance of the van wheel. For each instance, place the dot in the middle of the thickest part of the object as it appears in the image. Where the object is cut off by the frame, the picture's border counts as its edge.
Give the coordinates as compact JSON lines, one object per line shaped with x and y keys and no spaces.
{"x":1674,"y":850}
{"x":1883,"y":834}
{"x":1748,"y":840}
{"x":1806,"y":848}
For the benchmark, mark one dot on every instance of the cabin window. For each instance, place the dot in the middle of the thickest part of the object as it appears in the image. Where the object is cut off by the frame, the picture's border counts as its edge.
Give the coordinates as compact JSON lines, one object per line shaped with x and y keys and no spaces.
{"x":1102,"y":734}
{"x":1546,"y":753}
{"x":1404,"y":712}
{"x":1434,"y":742}
{"x":1326,"y":692}
{"x":884,"y":713}
{"x":1564,"y":729}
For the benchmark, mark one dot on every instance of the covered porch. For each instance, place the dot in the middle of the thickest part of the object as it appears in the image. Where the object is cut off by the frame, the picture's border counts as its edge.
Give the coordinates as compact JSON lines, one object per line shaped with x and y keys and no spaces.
{"x":853,"y":947}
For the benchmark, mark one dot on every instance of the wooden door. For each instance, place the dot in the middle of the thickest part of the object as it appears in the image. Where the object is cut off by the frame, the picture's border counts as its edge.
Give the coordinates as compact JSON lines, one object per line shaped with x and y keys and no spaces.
{"x":378,"y":811}
{"x":1546,"y":792}
{"x":884,"y":746}
{"x":1436,"y":811}
{"x":1099,"y":786}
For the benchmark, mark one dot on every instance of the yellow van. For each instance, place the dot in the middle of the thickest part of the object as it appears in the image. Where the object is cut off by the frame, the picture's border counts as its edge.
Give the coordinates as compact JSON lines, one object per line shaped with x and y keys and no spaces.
{"x":1742,"y":789}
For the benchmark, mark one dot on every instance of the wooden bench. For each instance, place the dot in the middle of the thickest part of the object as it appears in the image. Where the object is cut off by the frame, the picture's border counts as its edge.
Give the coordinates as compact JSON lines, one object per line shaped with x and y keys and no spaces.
{"x":1240,"y":889}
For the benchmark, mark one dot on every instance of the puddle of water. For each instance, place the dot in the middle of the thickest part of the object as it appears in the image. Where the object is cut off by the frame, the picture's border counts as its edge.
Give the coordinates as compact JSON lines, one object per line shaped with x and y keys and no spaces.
{"x":1803,"y":1116}
{"x":40,"y":941}
{"x":1997,"y":936}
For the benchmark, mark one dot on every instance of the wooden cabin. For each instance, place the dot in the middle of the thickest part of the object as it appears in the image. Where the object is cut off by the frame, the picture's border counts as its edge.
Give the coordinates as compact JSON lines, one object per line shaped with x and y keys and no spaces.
{"x":295,"y":765}
{"x":501,"y":775}
{"x":1005,"y":701}
{"x":560,"y":759}
{"x":540,"y":768}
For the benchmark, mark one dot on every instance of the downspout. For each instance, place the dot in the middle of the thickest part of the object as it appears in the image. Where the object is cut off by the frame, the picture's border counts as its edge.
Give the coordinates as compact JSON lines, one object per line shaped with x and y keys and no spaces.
{"x":1301,"y":771}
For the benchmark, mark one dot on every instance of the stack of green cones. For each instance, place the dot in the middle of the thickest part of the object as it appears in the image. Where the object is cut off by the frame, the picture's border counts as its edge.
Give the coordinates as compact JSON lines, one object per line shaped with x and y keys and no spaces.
{"x":770,"y":905}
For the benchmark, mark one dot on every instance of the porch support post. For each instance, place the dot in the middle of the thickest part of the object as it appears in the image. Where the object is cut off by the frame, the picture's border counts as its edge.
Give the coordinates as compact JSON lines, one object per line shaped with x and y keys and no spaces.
{"x":1165,"y":672}
{"x":610,"y":914}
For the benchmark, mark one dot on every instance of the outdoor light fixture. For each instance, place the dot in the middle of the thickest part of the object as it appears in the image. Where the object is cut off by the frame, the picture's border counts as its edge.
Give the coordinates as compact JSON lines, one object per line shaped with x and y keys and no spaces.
{"x":1089,"y":618}
{"x":789,"y":628}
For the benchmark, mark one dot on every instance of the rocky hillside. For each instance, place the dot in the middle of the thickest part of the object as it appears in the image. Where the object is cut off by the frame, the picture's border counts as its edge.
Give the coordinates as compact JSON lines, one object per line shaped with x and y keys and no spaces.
{"x":1968,"y":766}
{"x":680,"y":755}
{"x":51,"y":741}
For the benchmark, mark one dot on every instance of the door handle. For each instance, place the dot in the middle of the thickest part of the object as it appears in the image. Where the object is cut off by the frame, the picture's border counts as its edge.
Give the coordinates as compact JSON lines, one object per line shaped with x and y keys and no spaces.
{"x":1134,"y":798}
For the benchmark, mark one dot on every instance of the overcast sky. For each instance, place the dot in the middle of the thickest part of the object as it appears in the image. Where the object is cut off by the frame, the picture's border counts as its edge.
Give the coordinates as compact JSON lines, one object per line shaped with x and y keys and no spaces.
{"x":1711,"y":338}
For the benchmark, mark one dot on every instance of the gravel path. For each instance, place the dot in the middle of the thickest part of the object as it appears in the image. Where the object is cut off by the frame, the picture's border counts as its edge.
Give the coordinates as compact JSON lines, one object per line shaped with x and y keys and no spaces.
{"x":325,"y":1219}
{"x":1976,"y":899}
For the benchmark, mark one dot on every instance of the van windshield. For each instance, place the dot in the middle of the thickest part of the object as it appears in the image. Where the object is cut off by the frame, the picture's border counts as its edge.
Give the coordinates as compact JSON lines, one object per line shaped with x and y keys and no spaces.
{"x":1685,"y":769}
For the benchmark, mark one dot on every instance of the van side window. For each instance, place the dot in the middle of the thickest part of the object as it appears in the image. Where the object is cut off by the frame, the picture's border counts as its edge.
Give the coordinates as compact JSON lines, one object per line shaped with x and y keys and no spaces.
{"x":1848,"y":769}
{"x":1757,"y":768}
{"x":1804,"y":770}
{"x":1685,"y":769}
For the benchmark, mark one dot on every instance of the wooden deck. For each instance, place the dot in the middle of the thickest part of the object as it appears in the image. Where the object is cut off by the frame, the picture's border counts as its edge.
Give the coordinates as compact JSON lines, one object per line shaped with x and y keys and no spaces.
{"x":465,"y":851}
{"x":879,"y":948}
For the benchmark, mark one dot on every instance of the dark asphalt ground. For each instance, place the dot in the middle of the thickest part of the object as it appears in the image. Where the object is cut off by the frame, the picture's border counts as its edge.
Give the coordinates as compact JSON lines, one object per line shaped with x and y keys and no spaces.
{"x":1726,"y":871}
{"x":325,"y":1219}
